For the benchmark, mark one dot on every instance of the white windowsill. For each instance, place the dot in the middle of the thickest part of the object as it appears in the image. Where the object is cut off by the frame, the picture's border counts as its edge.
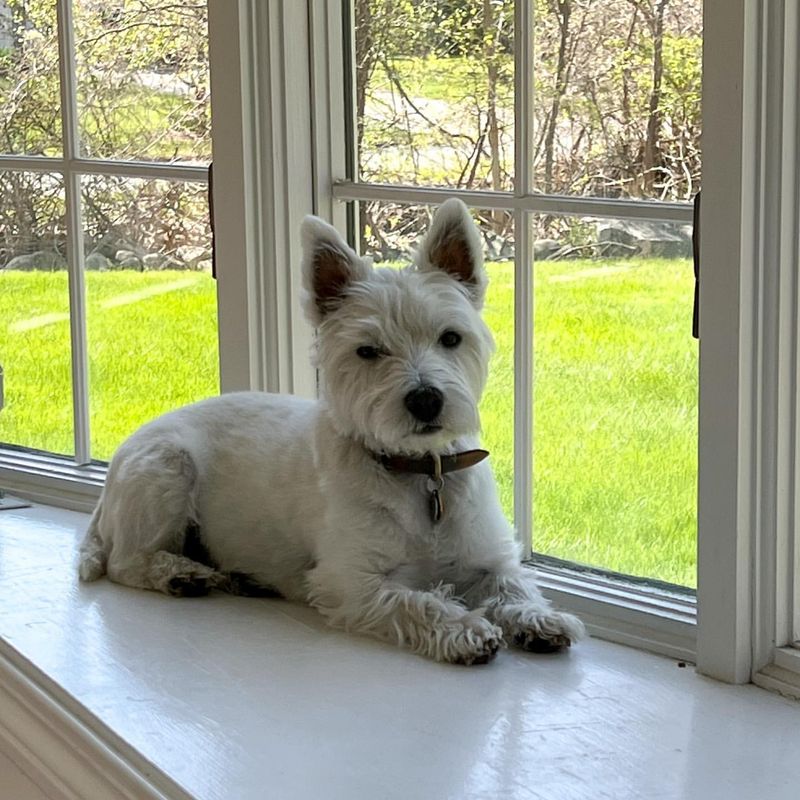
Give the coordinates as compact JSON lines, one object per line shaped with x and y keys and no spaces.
{"x":650,"y":619}
{"x":111,"y":692}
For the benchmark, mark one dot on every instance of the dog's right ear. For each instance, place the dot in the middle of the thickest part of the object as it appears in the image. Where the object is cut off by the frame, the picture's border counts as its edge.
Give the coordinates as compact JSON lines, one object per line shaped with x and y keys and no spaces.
{"x":329,"y":267}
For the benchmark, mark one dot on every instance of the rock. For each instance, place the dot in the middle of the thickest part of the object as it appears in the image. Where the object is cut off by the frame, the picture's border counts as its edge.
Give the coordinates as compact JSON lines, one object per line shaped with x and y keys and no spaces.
{"x":45,"y":260}
{"x":127,"y":259}
{"x":96,"y":261}
{"x":498,"y":248}
{"x":643,"y":238}
{"x":153,"y":260}
{"x":191,"y":255}
{"x":205,"y":265}
{"x":106,"y":246}
{"x":545,"y":248}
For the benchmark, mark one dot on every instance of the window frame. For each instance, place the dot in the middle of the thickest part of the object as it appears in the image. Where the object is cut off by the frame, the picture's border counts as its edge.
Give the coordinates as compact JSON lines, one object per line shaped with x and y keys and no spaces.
{"x":750,"y":343}
{"x":274,"y":104}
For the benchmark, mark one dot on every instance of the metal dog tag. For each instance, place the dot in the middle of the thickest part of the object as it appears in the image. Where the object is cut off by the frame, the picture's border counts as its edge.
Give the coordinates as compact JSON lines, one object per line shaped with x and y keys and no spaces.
{"x":437,"y":505}
{"x":435,"y":486}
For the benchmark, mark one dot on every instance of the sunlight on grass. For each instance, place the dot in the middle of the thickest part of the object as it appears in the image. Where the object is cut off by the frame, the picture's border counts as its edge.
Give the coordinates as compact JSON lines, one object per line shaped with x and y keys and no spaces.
{"x":615,"y":413}
{"x":152,"y":347}
{"x":615,"y":402}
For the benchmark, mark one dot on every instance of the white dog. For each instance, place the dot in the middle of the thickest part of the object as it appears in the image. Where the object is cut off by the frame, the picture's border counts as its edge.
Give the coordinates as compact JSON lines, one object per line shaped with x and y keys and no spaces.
{"x":370,"y":505}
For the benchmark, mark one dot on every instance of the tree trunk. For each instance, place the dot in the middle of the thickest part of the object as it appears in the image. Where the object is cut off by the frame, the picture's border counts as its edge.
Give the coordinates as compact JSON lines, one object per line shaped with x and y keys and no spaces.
{"x":366,"y":58}
{"x":651,"y":155}
{"x":563,"y":8}
{"x":365,"y":61}
{"x":491,"y":37}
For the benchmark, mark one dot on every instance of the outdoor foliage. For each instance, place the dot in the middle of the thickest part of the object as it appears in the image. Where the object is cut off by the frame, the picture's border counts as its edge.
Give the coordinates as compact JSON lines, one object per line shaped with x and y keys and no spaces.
{"x":616,"y":106}
{"x":143,"y":94}
{"x":616,"y":101}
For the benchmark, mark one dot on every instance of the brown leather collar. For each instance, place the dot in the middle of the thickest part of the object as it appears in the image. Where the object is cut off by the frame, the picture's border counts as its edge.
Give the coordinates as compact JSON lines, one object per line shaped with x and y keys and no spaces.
{"x":426,"y":465}
{"x":435,"y":467}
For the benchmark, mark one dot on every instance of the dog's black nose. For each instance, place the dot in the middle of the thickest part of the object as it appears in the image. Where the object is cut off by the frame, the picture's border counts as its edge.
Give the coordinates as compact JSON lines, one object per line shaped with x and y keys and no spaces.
{"x":425,"y":403}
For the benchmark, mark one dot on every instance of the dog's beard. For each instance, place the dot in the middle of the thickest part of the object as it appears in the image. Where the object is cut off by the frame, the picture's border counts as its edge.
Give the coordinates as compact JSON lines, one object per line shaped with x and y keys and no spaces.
{"x":378,"y":418}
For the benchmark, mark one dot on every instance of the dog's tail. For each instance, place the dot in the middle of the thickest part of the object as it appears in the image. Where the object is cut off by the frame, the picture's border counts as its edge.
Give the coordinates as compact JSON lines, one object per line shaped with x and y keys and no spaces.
{"x":93,"y":555}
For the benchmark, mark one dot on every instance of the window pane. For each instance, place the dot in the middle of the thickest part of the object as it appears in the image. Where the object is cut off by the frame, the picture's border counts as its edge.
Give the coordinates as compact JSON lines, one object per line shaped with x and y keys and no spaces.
{"x":617,"y":98}
{"x":615,"y":398}
{"x":30,"y":117}
{"x":435,"y":92}
{"x":152,"y":313}
{"x":34,"y":314}
{"x":142,"y":74}
{"x":389,"y":233}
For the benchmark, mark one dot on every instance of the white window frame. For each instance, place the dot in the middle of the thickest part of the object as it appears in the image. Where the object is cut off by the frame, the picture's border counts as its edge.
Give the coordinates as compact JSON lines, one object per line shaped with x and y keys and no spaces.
{"x":279,"y":152}
{"x":260,"y":328}
{"x":750,"y":337}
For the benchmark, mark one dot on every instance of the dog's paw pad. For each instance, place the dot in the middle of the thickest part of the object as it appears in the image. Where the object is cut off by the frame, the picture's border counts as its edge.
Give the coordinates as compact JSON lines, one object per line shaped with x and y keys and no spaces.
{"x":189,"y":587}
{"x":482,"y":655}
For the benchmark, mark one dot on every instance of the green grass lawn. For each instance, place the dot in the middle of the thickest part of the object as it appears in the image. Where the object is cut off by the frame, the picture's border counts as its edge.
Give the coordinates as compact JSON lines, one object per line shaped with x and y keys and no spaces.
{"x":615,"y":412}
{"x":152,"y":346}
{"x":614,"y":407}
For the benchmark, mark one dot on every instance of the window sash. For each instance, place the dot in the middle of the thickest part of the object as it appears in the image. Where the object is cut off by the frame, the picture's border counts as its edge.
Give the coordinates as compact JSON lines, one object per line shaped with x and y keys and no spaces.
{"x":72,"y":167}
{"x":648,"y":617}
{"x":523,"y":202}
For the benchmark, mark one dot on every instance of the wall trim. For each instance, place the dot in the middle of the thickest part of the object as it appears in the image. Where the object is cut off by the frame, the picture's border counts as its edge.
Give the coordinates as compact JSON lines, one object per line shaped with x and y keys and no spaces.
{"x":63,"y":749}
{"x":52,"y":480}
{"x":646,"y":618}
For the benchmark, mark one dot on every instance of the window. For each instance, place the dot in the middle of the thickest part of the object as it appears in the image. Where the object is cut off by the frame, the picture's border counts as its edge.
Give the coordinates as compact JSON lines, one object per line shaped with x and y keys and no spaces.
{"x":110,"y":307}
{"x":573,"y":131}
{"x":286,"y":130}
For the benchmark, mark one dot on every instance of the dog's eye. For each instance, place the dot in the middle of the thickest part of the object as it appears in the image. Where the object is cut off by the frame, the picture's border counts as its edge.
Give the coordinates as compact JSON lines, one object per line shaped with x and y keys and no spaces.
{"x":450,"y":339}
{"x":368,"y":353}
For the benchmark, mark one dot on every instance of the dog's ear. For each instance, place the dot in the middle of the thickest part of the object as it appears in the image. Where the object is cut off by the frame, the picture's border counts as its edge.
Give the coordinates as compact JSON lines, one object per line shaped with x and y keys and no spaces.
{"x":453,"y":245}
{"x":329,"y":267}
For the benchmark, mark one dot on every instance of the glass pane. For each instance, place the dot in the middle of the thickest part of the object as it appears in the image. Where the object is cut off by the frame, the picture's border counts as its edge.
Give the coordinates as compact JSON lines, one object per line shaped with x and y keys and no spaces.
{"x":617,"y":98}
{"x":435,"y":92}
{"x":389,"y":233}
{"x":152,"y":311}
{"x":143,"y":82}
{"x":34,"y":314}
{"x":615,"y":398}
{"x":30,"y":117}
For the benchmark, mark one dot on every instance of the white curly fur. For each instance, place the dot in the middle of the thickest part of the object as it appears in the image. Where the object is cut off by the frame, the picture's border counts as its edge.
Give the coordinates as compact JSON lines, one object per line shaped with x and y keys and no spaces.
{"x":288,"y":492}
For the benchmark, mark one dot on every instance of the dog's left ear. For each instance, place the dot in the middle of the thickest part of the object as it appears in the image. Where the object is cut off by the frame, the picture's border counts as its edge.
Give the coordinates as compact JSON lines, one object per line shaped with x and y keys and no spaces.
{"x":330,"y":266}
{"x":453,"y":245}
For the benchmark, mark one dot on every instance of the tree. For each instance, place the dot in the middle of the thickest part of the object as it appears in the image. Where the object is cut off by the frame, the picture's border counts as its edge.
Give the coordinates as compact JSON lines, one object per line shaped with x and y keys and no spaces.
{"x":143,"y":93}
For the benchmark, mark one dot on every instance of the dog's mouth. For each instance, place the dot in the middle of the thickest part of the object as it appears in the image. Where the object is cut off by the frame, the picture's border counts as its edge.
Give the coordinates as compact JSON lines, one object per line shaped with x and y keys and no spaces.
{"x":426,"y":429}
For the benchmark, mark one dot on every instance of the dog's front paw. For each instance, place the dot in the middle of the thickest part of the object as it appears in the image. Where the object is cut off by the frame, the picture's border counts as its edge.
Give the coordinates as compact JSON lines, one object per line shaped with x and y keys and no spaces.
{"x":548,"y":632}
{"x":477,"y":642}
